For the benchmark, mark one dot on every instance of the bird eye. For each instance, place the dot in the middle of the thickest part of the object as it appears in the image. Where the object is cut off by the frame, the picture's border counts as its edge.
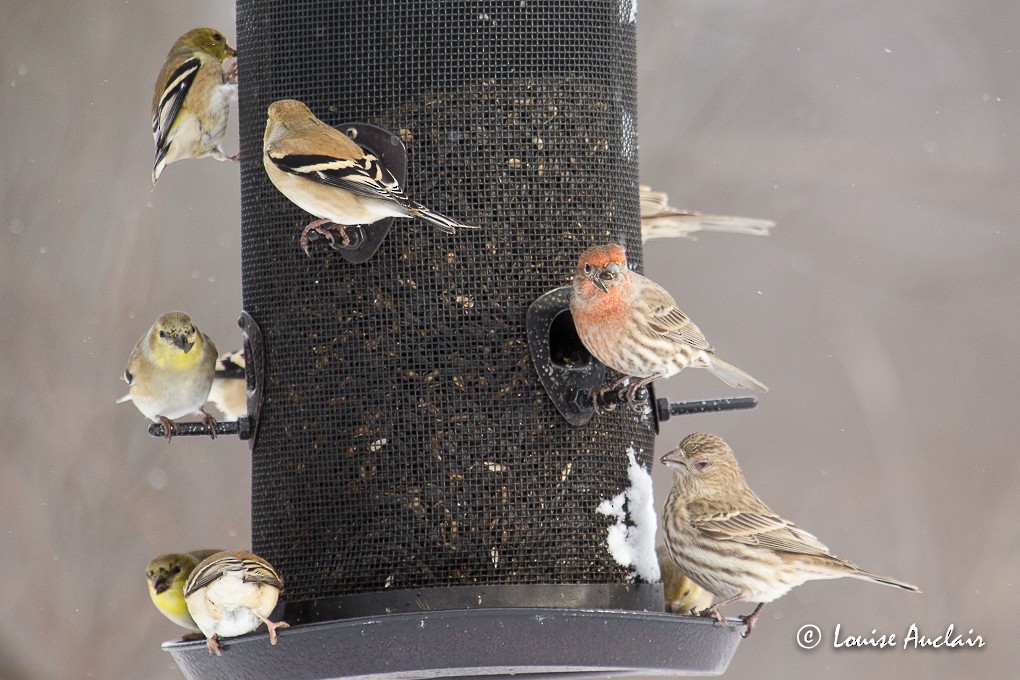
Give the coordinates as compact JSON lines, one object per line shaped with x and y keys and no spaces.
{"x":191,"y":331}
{"x":176,"y":569}
{"x":587,"y":268}
{"x":162,"y":334}
{"x":701,"y":465}
{"x":217,"y":37}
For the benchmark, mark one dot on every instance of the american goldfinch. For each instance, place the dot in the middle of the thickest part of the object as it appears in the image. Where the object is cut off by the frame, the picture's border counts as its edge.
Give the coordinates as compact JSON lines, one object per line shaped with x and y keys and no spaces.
{"x":166,"y":576}
{"x":229,"y":391}
{"x":191,"y":99}
{"x":660,"y":220}
{"x":170,"y":371}
{"x":633,"y":325}
{"x":230,"y":594}
{"x":730,"y":543}
{"x":681,"y":594}
{"x":324,"y":172}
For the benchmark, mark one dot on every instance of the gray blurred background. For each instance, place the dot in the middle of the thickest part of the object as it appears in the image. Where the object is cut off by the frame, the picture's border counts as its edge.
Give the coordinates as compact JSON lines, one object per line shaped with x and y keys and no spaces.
{"x":882,"y":313}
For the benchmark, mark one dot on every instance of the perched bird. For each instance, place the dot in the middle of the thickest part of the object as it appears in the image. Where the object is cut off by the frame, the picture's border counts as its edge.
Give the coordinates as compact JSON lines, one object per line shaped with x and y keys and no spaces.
{"x":229,"y":391}
{"x":729,"y":542}
{"x":191,"y":99}
{"x":632,"y":325}
{"x":166,"y":576}
{"x":661,"y":220}
{"x":681,"y":594}
{"x":324,"y":172}
{"x":170,"y":371}
{"x":230,"y":594}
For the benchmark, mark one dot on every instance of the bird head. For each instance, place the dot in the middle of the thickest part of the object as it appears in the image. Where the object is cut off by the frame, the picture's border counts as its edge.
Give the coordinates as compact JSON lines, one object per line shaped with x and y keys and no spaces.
{"x":600,"y":269}
{"x":704,"y":463}
{"x":163,"y":571}
{"x":207,"y":40}
{"x":176,"y":330}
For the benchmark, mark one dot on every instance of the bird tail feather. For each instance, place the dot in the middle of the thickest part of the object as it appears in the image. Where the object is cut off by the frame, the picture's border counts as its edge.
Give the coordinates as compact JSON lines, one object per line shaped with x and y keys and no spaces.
{"x":682,"y":225}
{"x":884,"y":580}
{"x":733,"y":376}
{"x":441,"y":222}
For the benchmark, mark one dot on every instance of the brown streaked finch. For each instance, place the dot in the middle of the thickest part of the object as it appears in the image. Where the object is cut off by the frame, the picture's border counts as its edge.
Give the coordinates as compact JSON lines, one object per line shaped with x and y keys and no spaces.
{"x":232,"y":593}
{"x":229,"y":392}
{"x":661,"y":220}
{"x":730,"y":543}
{"x":191,"y":99}
{"x":325,"y":172}
{"x":633,"y":326}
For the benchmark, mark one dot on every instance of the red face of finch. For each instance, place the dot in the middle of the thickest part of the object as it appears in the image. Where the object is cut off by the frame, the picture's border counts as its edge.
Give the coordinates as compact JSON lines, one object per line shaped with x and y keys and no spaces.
{"x":632,"y":325}
{"x":729,"y":542}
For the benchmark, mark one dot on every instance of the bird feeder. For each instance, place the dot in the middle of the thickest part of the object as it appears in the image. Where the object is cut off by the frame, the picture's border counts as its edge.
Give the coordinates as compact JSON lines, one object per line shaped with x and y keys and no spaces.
{"x":429,"y":509}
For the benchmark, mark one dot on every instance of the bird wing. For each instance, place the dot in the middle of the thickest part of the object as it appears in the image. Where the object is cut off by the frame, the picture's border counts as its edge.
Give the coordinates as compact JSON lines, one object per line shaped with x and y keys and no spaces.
{"x":167,"y":104}
{"x":230,"y":365}
{"x":651,"y":202}
{"x":665,"y":318}
{"x":767,"y":531}
{"x":363,"y":176}
{"x":254,"y":571}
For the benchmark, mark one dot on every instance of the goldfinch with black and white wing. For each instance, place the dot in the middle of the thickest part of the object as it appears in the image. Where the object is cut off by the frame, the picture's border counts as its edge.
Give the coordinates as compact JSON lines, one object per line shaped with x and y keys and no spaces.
{"x":324,"y":172}
{"x":232,"y":593}
{"x":191,"y":99}
{"x":229,"y":391}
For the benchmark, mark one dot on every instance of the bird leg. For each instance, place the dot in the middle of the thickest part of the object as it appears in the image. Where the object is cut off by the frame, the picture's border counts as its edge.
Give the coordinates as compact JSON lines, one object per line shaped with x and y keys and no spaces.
{"x":230,"y":75}
{"x":750,"y":619}
{"x":714,"y":612}
{"x":210,"y":421}
{"x":272,"y":627}
{"x":168,"y":427}
{"x":325,"y":232}
{"x":598,"y":392}
{"x":630,"y":394}
{"x":213,"y":644}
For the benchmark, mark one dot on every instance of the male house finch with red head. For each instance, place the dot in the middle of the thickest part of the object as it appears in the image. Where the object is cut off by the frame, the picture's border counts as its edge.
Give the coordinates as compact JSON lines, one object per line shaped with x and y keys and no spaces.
{"x":632,"y":325}
{"x":729,"y":542}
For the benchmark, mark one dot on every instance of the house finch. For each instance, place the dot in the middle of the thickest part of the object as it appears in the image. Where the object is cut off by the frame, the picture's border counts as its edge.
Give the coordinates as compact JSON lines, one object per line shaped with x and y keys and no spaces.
{"x":632,"y":325}
{"x":681,"y":594}
{"x":730,"y":543}
{"x":232,"y":593}
{"x":324,"y":172}
{"x":661,"y":220}
{"x":170,"y":372}
{"x":191,"y":99}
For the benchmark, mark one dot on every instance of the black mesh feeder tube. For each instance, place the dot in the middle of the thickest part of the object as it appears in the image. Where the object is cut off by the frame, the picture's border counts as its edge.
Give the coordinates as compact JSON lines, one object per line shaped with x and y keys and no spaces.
{"x":429,"y":510}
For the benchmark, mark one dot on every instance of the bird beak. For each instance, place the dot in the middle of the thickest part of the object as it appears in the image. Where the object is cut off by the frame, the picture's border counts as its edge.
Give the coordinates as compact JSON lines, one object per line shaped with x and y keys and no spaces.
{"x":597,"y":281}
{"x":675,"y":459}
{"x":231,"y":52}
{"x":181,"y":341}
{"x":161,"y":584}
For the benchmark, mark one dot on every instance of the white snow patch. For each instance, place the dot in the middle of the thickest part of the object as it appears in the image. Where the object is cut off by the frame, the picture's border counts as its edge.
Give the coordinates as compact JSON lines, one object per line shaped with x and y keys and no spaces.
{"x":631,"y":540}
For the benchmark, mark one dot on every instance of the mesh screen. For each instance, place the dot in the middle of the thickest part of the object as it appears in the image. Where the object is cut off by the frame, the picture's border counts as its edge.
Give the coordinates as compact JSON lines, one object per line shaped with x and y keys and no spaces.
{"x":405,"y":439}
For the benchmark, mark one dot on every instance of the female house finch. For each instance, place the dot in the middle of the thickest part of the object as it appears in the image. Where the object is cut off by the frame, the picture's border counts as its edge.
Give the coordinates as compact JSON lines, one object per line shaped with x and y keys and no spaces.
{"x":232,"y":593}
{"x":170,"y":371}
{"x":730,"y":543}
{"x":324,"y":172}
{"x":632,"y":325}
{"x":661,"y":220}
{"x":191,"y":99}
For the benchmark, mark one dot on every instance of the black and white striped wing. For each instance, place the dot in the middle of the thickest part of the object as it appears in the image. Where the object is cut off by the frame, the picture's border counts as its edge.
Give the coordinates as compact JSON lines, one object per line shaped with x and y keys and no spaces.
{"x":170,"y":102}
{"x":363,"y":176}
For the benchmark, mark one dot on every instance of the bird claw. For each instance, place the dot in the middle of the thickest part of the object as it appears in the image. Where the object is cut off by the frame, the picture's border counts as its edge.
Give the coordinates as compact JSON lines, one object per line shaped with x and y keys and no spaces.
{"x":326,"y":233}
{"x":213,"y":645}
{"x":168,"y":427}
{"x":211,"y":422}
